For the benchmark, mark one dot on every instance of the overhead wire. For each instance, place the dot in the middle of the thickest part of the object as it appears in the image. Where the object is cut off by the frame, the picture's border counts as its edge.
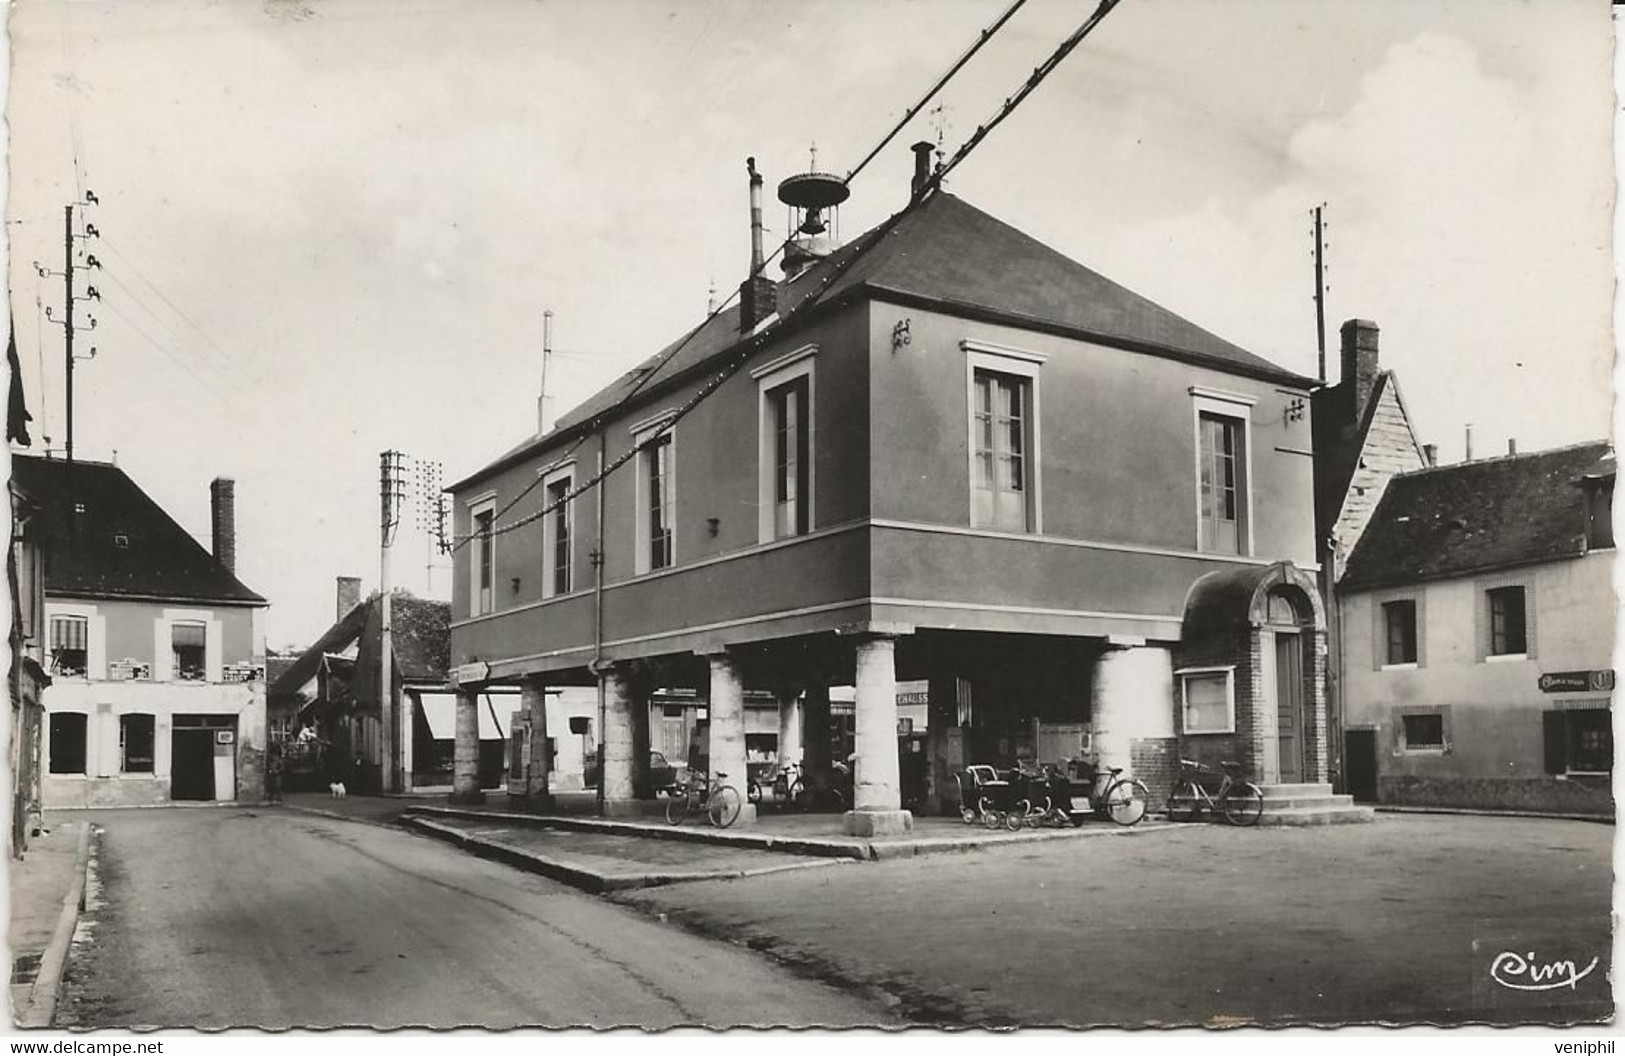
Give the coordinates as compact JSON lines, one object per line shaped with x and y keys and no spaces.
{"x":748,"y":348}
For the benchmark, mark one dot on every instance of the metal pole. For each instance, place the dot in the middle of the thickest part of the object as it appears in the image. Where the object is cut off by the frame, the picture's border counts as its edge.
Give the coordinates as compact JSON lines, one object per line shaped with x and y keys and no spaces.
{"x":67,"y":319}
{"x":598,"y":627}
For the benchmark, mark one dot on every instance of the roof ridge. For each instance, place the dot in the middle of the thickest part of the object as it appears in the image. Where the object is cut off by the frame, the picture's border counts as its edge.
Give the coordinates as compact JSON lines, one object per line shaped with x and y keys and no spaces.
{"x":1507,"y":457}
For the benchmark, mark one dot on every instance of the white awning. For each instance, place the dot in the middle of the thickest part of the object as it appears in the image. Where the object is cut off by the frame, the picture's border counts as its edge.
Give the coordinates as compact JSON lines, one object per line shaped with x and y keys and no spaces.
{"x":440,"y":712}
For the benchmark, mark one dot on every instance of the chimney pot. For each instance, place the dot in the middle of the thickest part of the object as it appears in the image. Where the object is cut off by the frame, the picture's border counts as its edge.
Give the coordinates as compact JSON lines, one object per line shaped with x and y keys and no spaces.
{"x":756,"y":294}
{"x":1469,"y":454}
{"x":223,"y":508}
{"x":349,"y":594}
{"x":1512,"y":445}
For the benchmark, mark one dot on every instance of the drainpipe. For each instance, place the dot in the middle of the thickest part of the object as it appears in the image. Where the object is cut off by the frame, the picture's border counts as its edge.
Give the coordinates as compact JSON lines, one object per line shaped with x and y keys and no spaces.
{"x":598,"y":623}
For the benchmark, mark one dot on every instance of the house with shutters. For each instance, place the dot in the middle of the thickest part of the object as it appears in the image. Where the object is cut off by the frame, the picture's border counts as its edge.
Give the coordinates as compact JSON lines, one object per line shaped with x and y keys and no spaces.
{"x":153,"y":645}
{"x":1478,"y":621}
{"x":941,"y":453}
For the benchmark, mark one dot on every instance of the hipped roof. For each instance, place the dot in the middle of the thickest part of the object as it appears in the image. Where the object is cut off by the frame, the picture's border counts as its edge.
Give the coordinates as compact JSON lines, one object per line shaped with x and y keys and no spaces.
{"x":105,"y":538}
{"x":948,"y":255}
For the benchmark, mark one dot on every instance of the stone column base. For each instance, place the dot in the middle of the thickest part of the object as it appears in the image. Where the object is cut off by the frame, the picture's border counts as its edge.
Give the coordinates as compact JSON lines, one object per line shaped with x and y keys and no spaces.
{"x":622,"y":808}
{"x":537,"y":801}
{"x":747,"y":815}
{"x":467,"y":799}
{"x":877,"y":822}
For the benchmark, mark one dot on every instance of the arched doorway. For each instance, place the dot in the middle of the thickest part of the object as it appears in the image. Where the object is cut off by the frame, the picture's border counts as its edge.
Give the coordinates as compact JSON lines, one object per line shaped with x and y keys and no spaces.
{"x":1289,"y":621}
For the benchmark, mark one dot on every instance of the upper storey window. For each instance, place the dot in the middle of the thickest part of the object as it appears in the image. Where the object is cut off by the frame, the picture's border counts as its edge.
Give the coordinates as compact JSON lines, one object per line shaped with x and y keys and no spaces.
{"x":1223,"y":484}
{"x":656,"y":497}
{"x":785,"y":445}
{"x":1003,"y":399}
{"x":482,"y":563}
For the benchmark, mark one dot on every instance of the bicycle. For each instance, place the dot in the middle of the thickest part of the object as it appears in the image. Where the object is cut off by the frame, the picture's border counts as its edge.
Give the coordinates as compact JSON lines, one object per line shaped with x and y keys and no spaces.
{"x":1120,"y":799}
{"x":1238,"y":801}
{"x":720,"y":802}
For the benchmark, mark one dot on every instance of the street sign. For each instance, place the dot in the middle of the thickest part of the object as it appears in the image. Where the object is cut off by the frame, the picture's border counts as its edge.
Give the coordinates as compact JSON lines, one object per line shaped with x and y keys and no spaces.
{"x":467,"y":674}
{"x":1577,"y":681}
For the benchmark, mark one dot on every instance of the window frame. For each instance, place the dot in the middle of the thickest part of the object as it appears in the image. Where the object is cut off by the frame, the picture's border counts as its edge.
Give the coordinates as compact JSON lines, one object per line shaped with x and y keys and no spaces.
{"x":83,"y":670}
{"x":660,"y":433}
{"x":1387,"y":610}
{"x":482,"y":555}
{"x":1026,"y":367}
{"x":124,"y":742}
{"x":1185,"y":675}
{"x":1487,"y":592}
{"x":1593,"y":708}
{"x":795,"y":368}
{"x":1402,"y":745}
{"x":563,"y":473}
{"x":1235,"y":408}
{"x":202,"y":669}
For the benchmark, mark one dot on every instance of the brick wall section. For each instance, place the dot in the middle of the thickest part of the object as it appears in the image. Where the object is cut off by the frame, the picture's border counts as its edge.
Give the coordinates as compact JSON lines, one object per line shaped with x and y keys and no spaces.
{"x":1390,"y":448}
{"x":1156,"y":762}
{"x":1317,"y":748}
{"x":1245,"y":746}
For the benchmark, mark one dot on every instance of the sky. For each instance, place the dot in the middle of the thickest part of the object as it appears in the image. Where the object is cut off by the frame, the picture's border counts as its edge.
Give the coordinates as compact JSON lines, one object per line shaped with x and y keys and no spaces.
{"x":330,"y":227}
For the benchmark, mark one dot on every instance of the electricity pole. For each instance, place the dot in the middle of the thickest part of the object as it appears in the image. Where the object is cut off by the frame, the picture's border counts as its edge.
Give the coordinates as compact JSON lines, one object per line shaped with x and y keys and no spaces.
{"x":390,"y":486}
{"x":67,"y":320}
{"x":1320,"y":287}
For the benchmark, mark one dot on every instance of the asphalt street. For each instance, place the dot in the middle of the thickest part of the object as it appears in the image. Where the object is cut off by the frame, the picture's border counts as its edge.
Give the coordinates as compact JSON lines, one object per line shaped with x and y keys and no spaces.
{"x":216,"y":918}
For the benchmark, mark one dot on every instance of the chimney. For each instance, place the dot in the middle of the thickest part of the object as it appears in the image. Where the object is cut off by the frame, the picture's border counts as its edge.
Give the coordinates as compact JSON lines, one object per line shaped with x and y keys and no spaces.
{"x":1431,"y":453}
{"x":922,"y":169}
{"x":756,"y":293}
{"x":544,"y":401}
{"x":1469,"y":455}
{"x":1512,"y":445}
{"x":1359,"y":364}
{"x":349,"y":594}
{"x":223,"y":504}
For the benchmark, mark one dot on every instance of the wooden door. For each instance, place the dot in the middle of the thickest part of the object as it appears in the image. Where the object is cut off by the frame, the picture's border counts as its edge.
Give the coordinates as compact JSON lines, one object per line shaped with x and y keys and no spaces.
{"x":1360,"y":764}
{"x":1289,"y":697}
{"x":191,"y":763}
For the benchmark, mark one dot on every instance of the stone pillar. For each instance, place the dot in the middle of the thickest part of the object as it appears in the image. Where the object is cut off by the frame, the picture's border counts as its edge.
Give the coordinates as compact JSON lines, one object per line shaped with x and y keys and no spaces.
{"x":876,"y":798}
{"x":615,"y":782}
{"x":726,"y":699}
{"x":790,"y":724}
{"x":1131,"y":699}
{"x":537,"y":767}
{"x":465,"y":757}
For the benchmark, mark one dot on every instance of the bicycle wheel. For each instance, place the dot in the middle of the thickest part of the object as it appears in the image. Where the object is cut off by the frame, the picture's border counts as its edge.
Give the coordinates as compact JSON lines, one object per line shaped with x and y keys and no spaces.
{"x":677,"y":807}
{"x":1183,"y":803}
{"x":798,"y":795}
{"x":1243,"y":804}
{"x":723,"y":808}
{"x":1126,"y":801}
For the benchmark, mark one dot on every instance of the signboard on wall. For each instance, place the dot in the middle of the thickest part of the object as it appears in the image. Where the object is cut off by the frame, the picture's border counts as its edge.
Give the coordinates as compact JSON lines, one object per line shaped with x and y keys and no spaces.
{"x":468,"y":674}
{"x":1577,"y":681}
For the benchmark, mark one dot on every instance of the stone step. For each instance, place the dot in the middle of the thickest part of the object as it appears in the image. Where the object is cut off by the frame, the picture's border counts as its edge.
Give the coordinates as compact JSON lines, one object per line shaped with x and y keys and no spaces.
{"x":1318,"y":816}
{"x":1291,"y":790}
{"x":1325,"y":801}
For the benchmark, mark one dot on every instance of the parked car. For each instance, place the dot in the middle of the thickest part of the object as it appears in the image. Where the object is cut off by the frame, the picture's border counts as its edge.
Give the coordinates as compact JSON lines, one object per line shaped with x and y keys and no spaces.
{"x":662,"y":774}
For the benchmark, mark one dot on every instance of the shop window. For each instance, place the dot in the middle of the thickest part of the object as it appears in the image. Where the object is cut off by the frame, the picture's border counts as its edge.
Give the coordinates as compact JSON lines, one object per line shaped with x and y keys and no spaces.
{"x":67,"y":742}
{"x":1508,"y":622}
{"x":1210,"y":704}
{"x":1399,"y":625}
{"x":1579,"y":741}
{"x":135,"y":735}
{"x":189,"y":647}
{"x":1422,"y":732}
{"x":70,"y":646}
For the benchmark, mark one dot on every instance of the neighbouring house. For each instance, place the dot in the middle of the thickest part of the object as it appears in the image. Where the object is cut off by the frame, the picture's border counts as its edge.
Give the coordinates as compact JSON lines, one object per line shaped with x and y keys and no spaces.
{"x":153,"y":645}
{"x":1478,"y":612}
{"x":332,"y":689}
{"x":1363,"y":436}
{"x":942,"y":453}
{"x":26,"y":676}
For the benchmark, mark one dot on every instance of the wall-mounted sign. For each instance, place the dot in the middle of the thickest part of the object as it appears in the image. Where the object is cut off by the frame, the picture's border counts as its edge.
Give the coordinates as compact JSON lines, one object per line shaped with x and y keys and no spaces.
{"x":468,"y":674}
{"x":1578,"y":681}
{"x":224,"y":736}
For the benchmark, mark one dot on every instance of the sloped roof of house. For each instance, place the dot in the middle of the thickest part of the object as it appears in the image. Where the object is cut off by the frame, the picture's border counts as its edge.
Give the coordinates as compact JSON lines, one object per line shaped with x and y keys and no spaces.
{"x":420,"y":636}
{"x":949,"y":255}
{"x":104,"y":537}
{"x":1477,"y":516}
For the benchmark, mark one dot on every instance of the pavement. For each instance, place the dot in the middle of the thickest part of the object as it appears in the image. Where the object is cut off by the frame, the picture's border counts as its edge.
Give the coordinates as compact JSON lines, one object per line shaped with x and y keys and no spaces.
{"x":47,"y":889}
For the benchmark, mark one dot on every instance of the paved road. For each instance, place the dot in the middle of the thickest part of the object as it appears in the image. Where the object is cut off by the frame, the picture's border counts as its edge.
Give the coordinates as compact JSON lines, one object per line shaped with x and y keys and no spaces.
{"x":1400,"y":920}
{"x":262,"y":917}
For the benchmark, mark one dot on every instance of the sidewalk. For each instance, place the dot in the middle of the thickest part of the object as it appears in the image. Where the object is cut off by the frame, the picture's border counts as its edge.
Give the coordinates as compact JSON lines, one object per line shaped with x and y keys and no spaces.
{"x":47,"y":893}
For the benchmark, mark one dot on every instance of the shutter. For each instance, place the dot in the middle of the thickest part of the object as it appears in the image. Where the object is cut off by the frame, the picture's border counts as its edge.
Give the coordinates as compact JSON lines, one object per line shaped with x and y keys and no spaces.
{"x":163,"y":660}
{"x":1555,"y":724}
{"x":96,"y":648}
{"x":214,"y":641}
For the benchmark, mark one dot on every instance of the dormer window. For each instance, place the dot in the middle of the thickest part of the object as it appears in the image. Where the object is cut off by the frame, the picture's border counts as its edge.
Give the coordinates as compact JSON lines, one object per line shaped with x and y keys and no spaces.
{"x":189,"y":645}
{"x":121,"y":542}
